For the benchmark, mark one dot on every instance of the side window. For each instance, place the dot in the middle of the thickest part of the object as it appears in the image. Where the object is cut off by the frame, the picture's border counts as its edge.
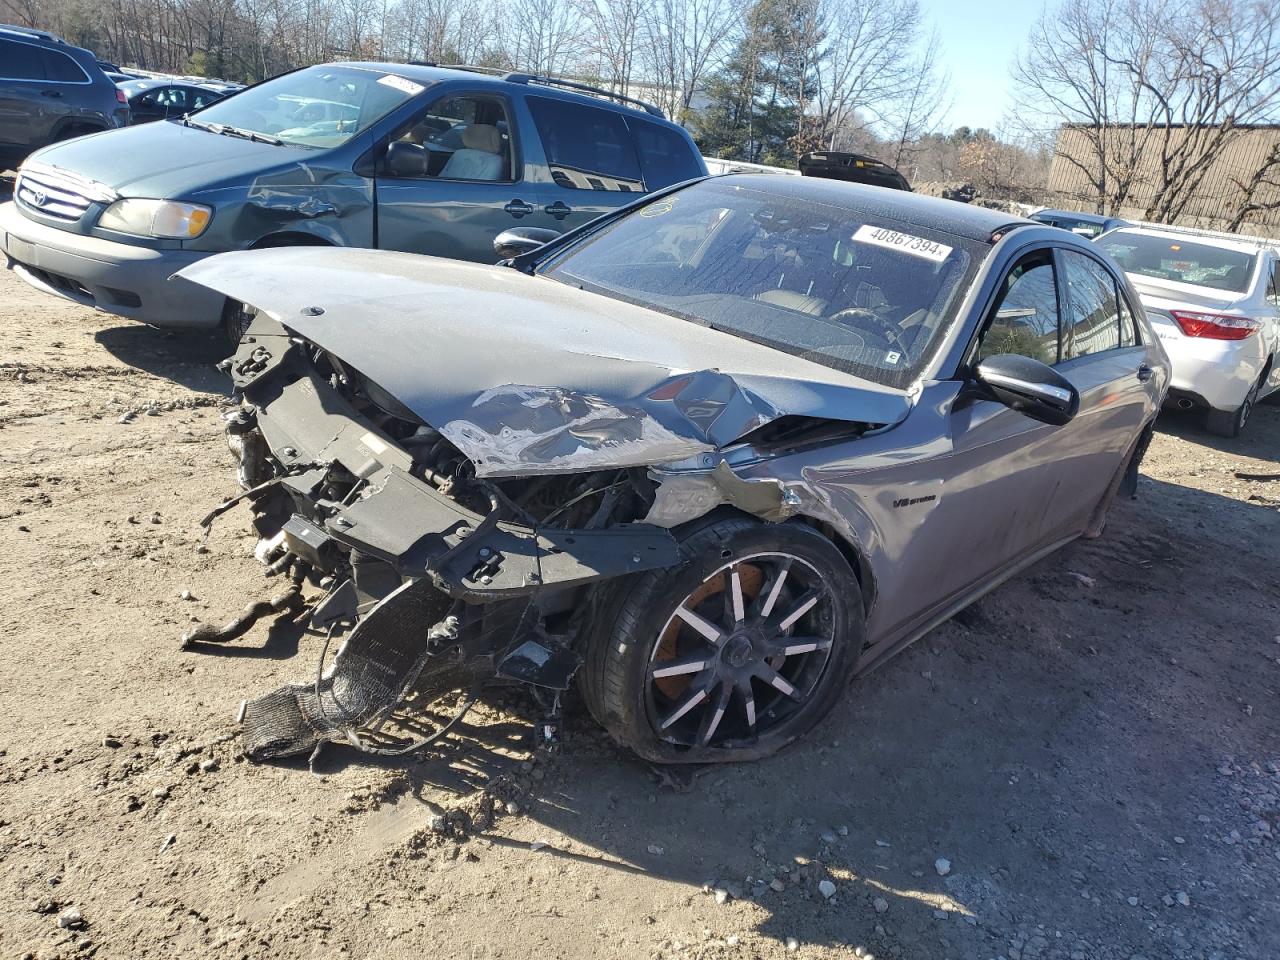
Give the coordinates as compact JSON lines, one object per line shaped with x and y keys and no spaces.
{"x":20,"y":61}
{"x":1273,"y":291}
{"x":176,"y":101}
{"x":1092,"y":322}
{"x":665,"y":156}
{"x":201,"y":99}
{"x":1128,"y":326}
{"x":1025,"y":321}
{"x":62,"y":69}
{"x":458,"y":138}
{"x":587,"y":148}
{"x":148,"y":100}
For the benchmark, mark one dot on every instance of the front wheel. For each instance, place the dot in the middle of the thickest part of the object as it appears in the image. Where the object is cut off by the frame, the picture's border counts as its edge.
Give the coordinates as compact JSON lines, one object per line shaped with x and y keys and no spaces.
{"x":733,"y":654}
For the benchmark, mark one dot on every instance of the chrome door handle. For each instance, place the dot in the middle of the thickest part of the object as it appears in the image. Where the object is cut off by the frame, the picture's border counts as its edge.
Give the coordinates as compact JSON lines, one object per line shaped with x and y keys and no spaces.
{"x":518,"y":208}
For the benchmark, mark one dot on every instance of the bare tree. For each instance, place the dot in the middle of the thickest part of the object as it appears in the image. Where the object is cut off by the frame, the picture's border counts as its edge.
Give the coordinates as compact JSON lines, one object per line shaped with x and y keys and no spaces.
{"x":1155,"y":89}
{"x":923,"y":105}
{"x":682,"y":42}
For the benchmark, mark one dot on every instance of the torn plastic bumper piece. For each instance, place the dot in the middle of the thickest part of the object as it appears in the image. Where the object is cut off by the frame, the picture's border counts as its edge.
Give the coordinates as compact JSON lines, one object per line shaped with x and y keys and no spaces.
{"x":379,"y":662}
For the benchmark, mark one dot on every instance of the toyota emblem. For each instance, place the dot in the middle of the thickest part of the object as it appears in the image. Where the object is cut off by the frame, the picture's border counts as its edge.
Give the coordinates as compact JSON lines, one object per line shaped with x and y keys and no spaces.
{"x":38,"y":197}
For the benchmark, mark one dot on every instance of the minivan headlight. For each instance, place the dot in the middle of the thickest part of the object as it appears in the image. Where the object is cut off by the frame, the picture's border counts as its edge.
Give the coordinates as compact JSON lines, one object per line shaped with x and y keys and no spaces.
{"x":166,"y":219}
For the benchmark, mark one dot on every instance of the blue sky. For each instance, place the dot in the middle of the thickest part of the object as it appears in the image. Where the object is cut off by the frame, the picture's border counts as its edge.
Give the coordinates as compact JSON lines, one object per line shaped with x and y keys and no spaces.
{"x":979,"y":43}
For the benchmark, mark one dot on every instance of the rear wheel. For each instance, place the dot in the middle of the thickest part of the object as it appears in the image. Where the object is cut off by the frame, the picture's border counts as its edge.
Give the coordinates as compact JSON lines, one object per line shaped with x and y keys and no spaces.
{"x":733,"y":654}
{"x":1230,"y":423}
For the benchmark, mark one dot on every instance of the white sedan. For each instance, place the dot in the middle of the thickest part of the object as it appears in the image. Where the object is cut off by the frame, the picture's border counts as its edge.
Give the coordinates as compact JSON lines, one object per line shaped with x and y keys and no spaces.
{"x":1214,"y":300}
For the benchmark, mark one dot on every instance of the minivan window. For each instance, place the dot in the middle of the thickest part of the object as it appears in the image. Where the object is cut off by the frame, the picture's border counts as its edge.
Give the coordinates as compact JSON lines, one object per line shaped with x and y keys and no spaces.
{"x":60,"y":68}
{"x":320,"y":107}
{"x":20,"y":61}
{"x":1185,"y":261}
{"x":587,"y":148}
{"x":665,"y":156}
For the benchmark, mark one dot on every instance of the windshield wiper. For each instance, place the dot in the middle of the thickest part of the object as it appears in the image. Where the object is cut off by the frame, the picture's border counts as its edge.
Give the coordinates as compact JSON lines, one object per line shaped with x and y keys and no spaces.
{"x":231,"y":131}
{"x":198,"y":124}
{"x":247,"y":134}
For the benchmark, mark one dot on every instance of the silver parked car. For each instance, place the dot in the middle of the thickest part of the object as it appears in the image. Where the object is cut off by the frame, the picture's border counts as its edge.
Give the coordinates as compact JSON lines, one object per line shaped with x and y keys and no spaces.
{"x":714,"y":453}
{"x":1214,"y":301}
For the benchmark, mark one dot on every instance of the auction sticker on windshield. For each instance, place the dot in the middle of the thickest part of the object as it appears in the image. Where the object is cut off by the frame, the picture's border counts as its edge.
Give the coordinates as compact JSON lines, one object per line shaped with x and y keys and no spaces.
{"x":401,"y":84}
{"x":893,"y":240}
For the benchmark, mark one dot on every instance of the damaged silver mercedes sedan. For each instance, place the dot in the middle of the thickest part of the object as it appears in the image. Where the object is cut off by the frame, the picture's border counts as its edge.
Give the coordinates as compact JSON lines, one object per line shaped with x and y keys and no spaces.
{"x":711,"y":455}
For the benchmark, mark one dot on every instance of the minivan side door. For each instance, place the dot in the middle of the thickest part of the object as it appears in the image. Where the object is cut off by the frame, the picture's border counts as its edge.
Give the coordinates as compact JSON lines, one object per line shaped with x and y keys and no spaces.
{"x":599,"y":159}
{"x":453,"y":178}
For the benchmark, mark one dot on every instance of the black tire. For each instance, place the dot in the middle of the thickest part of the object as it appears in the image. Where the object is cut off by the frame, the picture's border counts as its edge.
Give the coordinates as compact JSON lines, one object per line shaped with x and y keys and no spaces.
{"x":236,"y":318}
{"x":1231,"y":423}
{"x":637,"y":627}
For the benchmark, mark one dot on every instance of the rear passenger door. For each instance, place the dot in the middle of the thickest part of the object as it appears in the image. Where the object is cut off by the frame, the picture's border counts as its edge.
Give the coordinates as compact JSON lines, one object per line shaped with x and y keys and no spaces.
{"x":599,"y":158}
{"x":25,"y":114}
{"x":591,"y":159}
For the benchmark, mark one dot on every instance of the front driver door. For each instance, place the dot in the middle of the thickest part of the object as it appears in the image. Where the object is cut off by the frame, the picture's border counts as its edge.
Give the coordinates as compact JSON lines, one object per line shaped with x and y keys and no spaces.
{"x":453,"y":179}
{"x":982,"y":496}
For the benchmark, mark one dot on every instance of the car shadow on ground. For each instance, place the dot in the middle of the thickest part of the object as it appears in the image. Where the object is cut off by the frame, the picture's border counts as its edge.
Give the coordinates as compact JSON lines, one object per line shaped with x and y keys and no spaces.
{"x":1258,"y":439}
{"x":186,"y":358}
{"x":1054,"y":739}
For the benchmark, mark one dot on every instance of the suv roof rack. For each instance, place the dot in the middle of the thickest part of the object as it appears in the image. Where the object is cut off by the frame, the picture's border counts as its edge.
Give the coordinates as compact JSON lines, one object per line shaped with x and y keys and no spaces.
{"x":513,"y":76}
{"x":31,"y":32}
{"x":1211,"y":234}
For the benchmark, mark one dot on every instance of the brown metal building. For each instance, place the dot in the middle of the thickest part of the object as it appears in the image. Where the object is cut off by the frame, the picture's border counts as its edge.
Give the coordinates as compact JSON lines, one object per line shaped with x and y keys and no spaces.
{"x":1215,"y":202}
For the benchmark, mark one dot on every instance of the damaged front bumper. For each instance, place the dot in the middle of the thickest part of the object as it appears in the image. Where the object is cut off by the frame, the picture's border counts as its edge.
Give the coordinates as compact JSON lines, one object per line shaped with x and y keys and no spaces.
{"x":431,"y":590}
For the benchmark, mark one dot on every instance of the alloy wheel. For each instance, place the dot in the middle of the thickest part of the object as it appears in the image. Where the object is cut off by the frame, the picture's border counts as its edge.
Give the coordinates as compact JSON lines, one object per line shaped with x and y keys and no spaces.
{"x":741,"y":653}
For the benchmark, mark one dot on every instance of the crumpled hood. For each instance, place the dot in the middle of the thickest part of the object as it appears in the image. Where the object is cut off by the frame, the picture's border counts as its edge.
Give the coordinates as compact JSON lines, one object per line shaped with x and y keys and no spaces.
{"x":527,"y":375}
{"x":155,"y":159}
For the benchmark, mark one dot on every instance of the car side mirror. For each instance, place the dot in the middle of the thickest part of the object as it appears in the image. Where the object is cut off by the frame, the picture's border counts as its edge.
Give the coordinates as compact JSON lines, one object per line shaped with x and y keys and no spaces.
{"x":1034,"y":389}
{"x":520,"y":240}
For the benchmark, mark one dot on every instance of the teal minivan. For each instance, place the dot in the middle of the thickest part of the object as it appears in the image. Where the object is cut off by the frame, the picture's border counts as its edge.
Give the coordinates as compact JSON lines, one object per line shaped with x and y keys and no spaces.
{"x":411,"y":157}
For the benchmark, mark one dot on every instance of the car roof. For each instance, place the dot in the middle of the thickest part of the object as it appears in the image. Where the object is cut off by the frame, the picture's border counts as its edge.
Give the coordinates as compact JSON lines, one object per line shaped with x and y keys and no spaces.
{"x":150,"y":83}
{"x":1076,"y":215}
{"x":948,"y":216}
{"x":427,"y":73}
{"x":43,"y":36}
{"x":30,"y":33}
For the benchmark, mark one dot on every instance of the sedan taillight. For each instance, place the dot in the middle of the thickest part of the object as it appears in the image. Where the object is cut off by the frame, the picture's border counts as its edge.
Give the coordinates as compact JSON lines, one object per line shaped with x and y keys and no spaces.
{"x":120,"y":97}
{"x":1215,"y":326}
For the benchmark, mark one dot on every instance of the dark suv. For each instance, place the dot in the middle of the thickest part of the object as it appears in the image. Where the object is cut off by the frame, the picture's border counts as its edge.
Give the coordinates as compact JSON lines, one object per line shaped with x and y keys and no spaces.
{"x":409,"y":157}
{"x":50,"y":91}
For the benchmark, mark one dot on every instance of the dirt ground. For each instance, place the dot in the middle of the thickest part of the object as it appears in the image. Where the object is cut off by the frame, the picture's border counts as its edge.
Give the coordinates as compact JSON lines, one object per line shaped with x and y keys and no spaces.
{"x":1093,"y":747}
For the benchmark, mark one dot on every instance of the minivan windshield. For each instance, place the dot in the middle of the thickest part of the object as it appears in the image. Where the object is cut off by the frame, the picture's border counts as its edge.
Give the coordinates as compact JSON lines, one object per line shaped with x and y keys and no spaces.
{"x":322,"y":106}
{"x":866,"y":295}
{"x":1170,"y":258}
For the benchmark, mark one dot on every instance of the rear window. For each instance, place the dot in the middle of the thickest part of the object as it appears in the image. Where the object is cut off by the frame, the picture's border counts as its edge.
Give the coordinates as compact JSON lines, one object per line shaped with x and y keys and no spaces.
{"x":20,"y":61}
{"x":587,"y":148}
{"x":1184,"y":261}
{"x":665,"y":156}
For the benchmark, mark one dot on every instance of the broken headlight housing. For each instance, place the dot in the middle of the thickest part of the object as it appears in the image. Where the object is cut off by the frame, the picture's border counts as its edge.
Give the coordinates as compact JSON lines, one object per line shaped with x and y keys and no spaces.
{"x":163,"y":219}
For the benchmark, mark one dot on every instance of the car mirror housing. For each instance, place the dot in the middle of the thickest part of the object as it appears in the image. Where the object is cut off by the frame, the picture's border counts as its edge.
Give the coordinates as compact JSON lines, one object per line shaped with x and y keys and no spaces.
{"x":520,"y":240}
{"x":1032,"y":388}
